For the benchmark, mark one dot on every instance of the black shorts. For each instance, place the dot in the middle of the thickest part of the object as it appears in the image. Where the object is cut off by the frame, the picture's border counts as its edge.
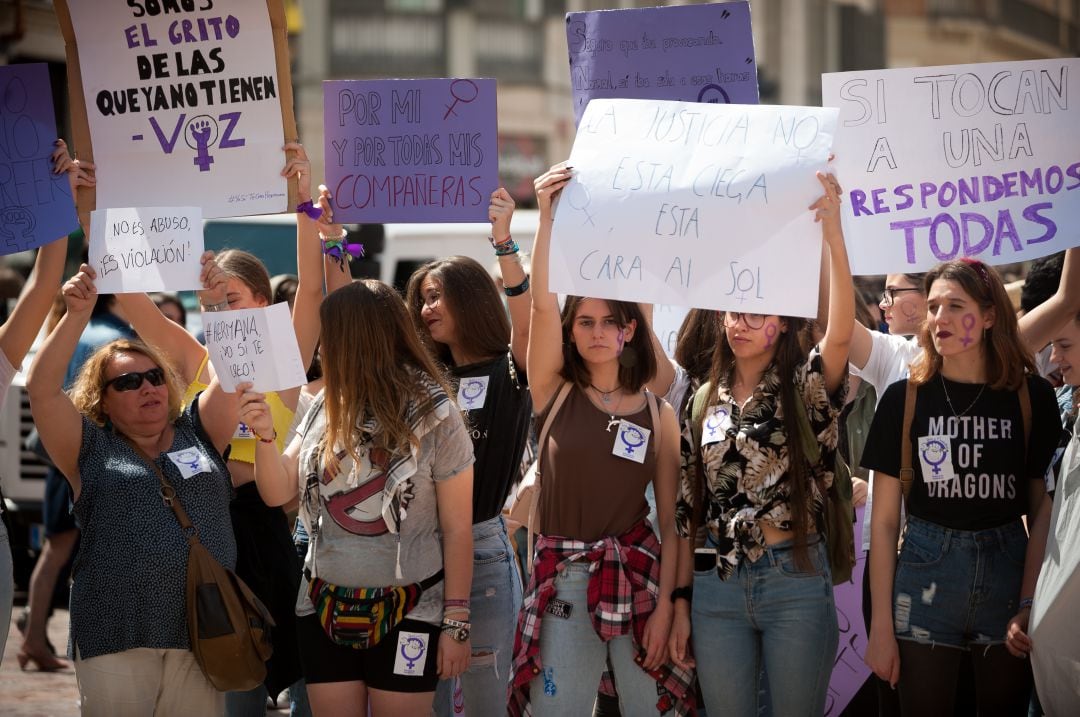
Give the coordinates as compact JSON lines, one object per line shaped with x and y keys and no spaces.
{"x":325,"y":661}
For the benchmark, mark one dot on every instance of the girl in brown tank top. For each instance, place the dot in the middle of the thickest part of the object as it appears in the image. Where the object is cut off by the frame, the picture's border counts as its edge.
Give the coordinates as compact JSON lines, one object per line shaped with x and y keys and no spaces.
{"x":607,"y":440}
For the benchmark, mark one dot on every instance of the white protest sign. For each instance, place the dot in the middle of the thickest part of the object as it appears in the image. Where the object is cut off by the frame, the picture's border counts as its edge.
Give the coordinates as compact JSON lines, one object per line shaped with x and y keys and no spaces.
{"x":964,"y":160}
{"x":666,"y":322}
{"x":257,"y":345}
{"x":692,"y":204}
{"x":183,"y":99}
{"x":142,"y":249}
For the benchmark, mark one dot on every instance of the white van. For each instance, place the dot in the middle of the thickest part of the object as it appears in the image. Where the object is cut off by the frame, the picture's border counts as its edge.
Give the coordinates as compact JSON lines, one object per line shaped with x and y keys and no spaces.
{"x":394,"y":250}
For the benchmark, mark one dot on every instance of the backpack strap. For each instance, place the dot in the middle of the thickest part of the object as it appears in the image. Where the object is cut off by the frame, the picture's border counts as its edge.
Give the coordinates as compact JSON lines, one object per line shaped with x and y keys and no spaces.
{"x":907,"y":475}
{"x":654,"y":415}
{"x":556,"y":404}
{"x":697,"y":417}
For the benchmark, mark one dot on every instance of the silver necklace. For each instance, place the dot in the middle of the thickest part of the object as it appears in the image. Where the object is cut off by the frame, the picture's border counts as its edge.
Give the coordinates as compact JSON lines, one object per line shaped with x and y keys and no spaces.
{"x":950,"y":403}
{"x":611,"y":413}
{"x":605,"y":396}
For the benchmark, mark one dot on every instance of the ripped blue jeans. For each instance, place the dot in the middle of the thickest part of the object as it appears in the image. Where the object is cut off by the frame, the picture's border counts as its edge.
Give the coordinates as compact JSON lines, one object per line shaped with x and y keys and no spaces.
{"x":957,"y":588}
{"x":496,"y":599}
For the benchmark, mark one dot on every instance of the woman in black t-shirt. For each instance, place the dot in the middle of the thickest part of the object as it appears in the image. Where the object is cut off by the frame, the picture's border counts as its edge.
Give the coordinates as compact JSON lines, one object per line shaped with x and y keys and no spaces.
{"x":962,"y":585}
{"x":456,"y":310}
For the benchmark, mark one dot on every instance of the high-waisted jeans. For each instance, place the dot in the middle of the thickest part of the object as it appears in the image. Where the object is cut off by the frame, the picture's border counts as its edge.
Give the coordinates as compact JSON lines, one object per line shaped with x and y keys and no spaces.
{"x":771,"y":615}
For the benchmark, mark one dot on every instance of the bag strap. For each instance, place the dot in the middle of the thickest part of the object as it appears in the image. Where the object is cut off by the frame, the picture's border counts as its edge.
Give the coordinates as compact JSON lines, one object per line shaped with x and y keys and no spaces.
{"x":654,"y":415}
{"x":810,"y":445}
{"x":1025,"y":413}
{"x":168,"y":493}
{"x":907,"y":474}
{"x":697,"y":410}
{"x":560,"y":399}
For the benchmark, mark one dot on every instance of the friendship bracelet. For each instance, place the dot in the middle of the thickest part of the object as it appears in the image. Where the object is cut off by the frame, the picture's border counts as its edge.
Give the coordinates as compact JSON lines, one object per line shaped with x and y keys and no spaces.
{"x":337,"y":249}
{"x":1027,"y":603}
{"x":518,"y":290}
{"x":465,"y":603}
{"x":264,"y":440}
{"x":222,"y":306}
{"x":506,"y":248}
{"x":310,"y":209}
{"x":496,"y":244}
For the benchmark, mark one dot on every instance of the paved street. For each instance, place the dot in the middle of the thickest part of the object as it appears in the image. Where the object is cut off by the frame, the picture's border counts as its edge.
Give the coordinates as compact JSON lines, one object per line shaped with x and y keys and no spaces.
{"x":37,"y":694}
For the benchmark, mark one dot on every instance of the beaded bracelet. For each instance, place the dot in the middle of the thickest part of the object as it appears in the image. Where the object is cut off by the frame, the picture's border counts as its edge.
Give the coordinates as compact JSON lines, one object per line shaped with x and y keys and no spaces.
{"x":465,"y":603}
{"x":506,"y":248}
{"x":265,"y":440}
{"x":496,"y":244}
{"x":1027,"y":603}
{"x":518,"y":290}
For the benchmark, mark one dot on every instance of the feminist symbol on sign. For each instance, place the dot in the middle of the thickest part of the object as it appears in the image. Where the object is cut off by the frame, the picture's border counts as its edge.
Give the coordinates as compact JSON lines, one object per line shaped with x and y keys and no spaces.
{"x":578,"y":191}
{"x":459,"y":98}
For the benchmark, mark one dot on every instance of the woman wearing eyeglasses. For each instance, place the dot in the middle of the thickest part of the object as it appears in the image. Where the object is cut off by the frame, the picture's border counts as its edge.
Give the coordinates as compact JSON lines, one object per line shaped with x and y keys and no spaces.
{"x":129,"y":632}
{"x":758,"y":592}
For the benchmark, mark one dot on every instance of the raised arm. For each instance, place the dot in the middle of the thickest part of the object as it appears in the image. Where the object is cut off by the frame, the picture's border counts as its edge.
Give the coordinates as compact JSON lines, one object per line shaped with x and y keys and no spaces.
{"x":22,"y":327}
{"x":1037,"y":327}
{"x":837,"y":341}
{"x":665,"y":367}
{"x":309,"y":258}
{"x":58,"y":421}
{"x":219,"y":412}
{"x":545,"y":358}
{"x":500,"y":212}
{"x":336,"y":272}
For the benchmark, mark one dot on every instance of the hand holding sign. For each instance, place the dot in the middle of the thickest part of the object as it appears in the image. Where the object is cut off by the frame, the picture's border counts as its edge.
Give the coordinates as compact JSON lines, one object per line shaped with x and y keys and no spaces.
{"x":255,"y":413}
{"x":547,"y":187}
{"x":80,"y":293}
{"x":257,"y":345}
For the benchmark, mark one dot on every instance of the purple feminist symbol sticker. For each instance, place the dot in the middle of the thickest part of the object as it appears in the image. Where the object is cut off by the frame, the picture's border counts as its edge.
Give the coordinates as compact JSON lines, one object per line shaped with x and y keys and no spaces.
{"x":633,"y":439}
{"x":471,"y":391}
{"x":968,"y":322}
{"x":716,"y":419}
{"x":935,"y":454}
{"x":412,"y":650}
{"x":770,"y":335}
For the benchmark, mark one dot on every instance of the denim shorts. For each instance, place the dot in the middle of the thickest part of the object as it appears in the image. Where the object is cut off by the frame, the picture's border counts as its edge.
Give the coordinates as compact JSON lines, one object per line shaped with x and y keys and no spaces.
{"x":958,"y":587}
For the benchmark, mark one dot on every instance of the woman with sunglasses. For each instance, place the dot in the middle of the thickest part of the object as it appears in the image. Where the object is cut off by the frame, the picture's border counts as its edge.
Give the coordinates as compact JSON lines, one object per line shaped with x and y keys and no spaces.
{"x":758,"y":594}
{"x":596,"y":552}
{"x":984,"y":427}
{"x":266,"y":559}
{"x":383,"y":467}
{"x":129,"y":632}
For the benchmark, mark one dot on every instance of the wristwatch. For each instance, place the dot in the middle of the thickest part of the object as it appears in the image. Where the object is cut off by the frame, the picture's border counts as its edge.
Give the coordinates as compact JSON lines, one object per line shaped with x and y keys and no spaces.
{"x":456,"y":629}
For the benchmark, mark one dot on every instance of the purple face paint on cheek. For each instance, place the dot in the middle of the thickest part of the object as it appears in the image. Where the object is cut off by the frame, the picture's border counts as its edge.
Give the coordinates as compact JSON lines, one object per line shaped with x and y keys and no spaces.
{"x":622,"y":340}
{"x":968,"y":322}
{"x":907,"y":308}
{"x":770,"y":334}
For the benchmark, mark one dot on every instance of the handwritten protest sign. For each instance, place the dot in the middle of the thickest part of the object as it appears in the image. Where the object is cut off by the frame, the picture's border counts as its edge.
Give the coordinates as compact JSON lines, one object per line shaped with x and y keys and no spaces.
{"x":257,"y":345}
{"x":36,"y":206}
{"x":411,"y":150}
{"x":189,"y":95}
{"x":964,"y":160}
{"x":666,"y":323}
{"x":849,"y":671}
{"x":136,"y":250}
{"x":695,"y":205}
{"x":692,"y":53}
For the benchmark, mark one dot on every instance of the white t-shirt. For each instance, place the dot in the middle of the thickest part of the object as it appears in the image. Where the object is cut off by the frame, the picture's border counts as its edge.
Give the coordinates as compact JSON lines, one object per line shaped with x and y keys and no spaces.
{"x":890,"y":357}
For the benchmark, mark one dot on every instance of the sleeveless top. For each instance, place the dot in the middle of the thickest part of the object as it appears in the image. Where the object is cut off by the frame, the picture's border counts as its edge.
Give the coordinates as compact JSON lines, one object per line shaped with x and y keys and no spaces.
{"x":590,"y":489}
{"x":242,"y":446}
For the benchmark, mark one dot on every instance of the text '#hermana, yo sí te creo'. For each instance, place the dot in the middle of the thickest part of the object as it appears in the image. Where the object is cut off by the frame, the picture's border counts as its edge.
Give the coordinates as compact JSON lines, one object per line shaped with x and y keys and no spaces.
{"x":949,"y":232}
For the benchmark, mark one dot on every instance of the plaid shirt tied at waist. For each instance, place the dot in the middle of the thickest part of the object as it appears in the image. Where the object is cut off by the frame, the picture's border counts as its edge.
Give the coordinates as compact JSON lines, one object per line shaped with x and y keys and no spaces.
{"x":623,"y":585}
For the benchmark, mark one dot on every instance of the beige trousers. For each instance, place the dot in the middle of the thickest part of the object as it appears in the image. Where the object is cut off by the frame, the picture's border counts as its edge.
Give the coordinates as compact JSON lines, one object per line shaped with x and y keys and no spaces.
{"x":143,"y":682}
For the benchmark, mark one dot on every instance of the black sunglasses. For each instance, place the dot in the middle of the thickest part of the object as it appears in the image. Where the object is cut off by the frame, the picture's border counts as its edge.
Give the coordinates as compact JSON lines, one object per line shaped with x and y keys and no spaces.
{"x":133,"y":380}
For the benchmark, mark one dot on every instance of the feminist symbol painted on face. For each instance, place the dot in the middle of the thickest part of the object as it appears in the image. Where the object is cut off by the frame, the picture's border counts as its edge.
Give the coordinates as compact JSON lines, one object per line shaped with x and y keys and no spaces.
{"x":968,"y":322}
{"x":935,"y":449}
{"x":459,"y":98}
{"x":622,"y":342}
{"x":412,"y":650}
{"x":471,"y":391}
{"x":770,"y":334}
{"x":631,"y":432}
{"x":579,"y":193}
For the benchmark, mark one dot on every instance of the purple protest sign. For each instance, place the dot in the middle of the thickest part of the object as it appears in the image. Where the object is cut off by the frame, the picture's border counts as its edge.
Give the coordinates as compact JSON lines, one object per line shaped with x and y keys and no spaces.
{"x":692,"y":53}
{"x":411,"y":150}
{"x":849,"y":671}
{"x":35,"y":205}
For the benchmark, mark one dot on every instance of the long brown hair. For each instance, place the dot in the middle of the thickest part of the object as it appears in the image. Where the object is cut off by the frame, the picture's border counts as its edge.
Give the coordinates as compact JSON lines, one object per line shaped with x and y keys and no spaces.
{"x":1006,"y":356}
{"x":633,"y":373}
{"x":696,"y":342}
{"x":374,"y":364}
{"x":89,"y":389}
{"x":247,"y":267}
{"x":792,"y":349}
{"x":469,"y":294}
